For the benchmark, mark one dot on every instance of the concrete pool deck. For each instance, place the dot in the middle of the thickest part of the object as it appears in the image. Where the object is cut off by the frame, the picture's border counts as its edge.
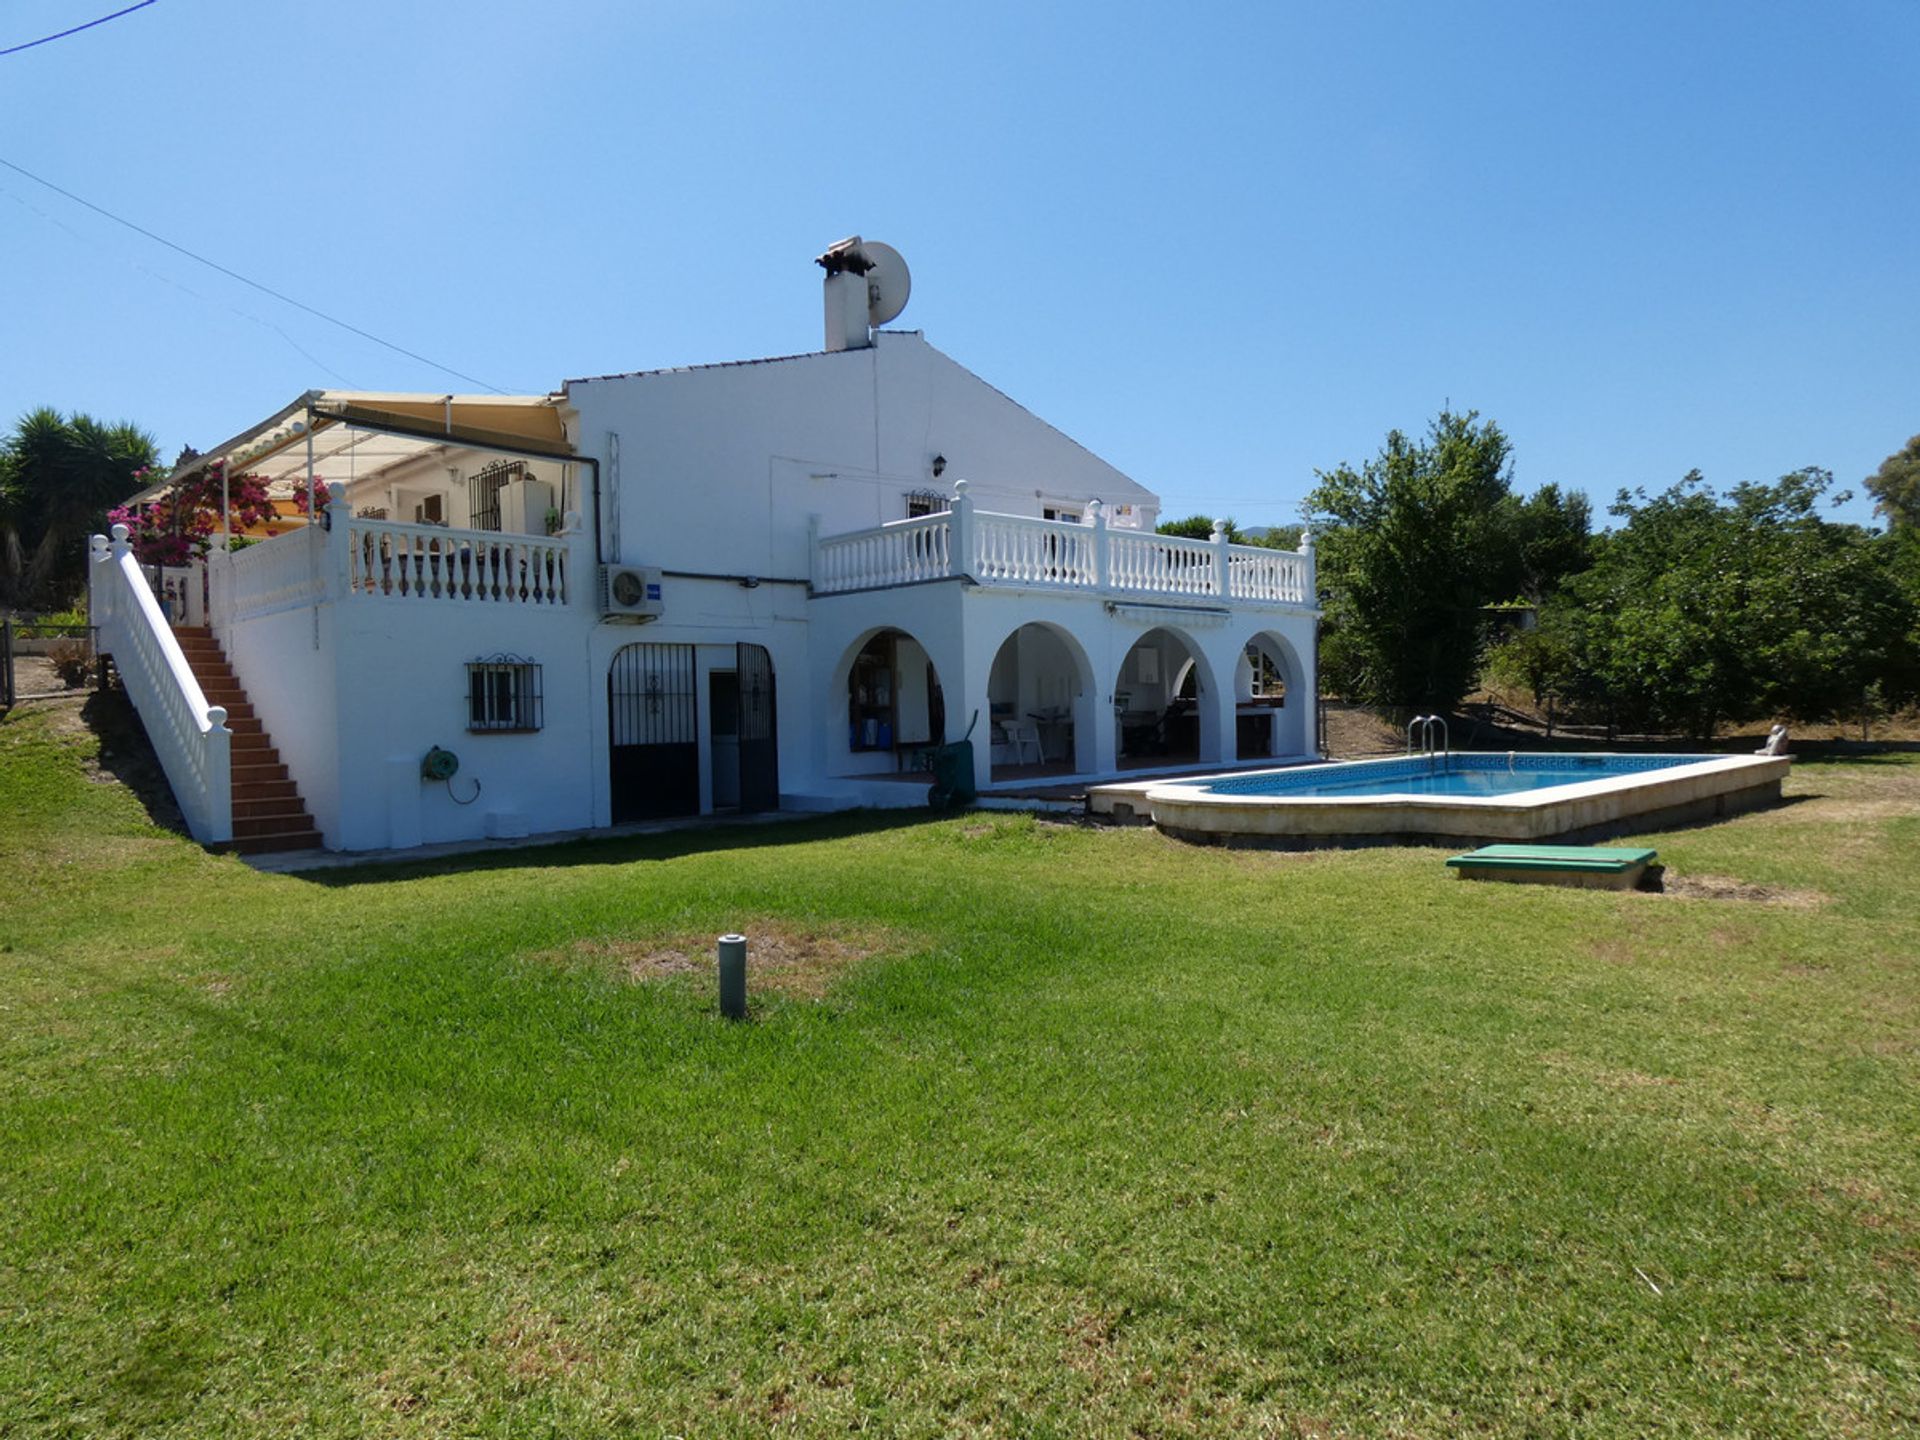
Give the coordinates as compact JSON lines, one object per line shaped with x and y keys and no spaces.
{"x":1679,"y":795}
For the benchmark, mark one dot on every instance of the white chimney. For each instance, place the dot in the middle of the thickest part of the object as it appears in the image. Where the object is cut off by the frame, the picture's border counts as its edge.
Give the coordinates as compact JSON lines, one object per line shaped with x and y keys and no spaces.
{"x":847,"y":312}
{"x":846,"y":264}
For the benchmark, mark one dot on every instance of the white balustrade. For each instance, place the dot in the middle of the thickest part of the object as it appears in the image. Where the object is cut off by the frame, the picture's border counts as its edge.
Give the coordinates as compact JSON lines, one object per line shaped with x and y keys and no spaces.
{"x":189,"y":736}
{"x":1259,"y":574}
{"x":428,"y":562}
{"x":1162,"y":564}
{"x":1019,"y":550}
{"x":900,"y":553}
{"x":283,"y":573}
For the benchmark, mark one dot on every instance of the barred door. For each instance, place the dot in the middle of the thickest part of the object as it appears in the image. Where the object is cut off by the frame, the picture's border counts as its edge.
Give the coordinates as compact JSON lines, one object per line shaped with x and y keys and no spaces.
{"x":652,"y":727}
{"x":759,"y":742}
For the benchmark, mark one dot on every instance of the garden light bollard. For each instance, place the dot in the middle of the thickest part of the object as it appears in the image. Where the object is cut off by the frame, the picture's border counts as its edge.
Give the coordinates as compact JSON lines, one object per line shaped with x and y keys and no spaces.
{"x":733,"y":976}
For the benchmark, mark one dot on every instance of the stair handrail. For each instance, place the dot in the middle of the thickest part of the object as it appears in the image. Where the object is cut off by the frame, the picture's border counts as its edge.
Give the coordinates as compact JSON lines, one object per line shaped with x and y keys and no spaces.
{"x":189,"y":736}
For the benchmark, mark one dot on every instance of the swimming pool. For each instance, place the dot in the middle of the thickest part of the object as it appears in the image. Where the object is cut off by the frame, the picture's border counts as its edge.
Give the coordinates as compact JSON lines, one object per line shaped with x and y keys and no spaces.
{"x":1480,"y":795}
{"x":1465,"y":774}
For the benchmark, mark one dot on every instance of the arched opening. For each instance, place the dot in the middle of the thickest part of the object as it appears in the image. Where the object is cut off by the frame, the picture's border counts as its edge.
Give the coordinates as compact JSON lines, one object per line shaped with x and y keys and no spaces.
{"x":1267,"y":708}
{"x":1038,"y":694}
{"x":895,"y":711}
{"x":1156,"y":701}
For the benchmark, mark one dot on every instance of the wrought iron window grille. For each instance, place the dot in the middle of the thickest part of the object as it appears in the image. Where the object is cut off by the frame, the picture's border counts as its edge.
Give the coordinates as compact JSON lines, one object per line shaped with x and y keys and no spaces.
{"x":483,"y":492}
{"x":504,"y":694}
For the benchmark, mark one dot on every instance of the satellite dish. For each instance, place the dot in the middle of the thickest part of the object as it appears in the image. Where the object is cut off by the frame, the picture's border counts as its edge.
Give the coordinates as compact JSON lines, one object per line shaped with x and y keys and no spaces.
{"x":888,"y":283}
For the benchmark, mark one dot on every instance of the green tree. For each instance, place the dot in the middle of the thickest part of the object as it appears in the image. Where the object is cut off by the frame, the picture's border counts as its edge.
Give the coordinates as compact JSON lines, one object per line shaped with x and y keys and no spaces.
{"x":1413,"y":546}
{"x":1548,"y":539}
{"x":58,"y":477}
{"x":1700,"y":611}
{"x":1895,"y":486}
{"x":1199,"y":527}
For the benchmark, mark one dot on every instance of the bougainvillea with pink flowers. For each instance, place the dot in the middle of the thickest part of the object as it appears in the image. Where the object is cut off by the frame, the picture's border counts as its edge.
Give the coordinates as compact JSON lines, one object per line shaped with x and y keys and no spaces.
{"x":180,"y":525}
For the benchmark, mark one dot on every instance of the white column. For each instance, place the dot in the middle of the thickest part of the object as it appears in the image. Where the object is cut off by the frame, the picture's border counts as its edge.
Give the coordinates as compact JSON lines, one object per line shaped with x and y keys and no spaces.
{"x":962,"y":529}
{"x":1222,"y":560}
{"x":1101,"y":541}
{"x":336,"y":538}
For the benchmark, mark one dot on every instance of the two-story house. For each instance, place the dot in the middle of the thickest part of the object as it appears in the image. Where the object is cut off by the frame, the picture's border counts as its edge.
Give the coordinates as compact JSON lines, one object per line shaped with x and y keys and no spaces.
{"x":767,"y":584}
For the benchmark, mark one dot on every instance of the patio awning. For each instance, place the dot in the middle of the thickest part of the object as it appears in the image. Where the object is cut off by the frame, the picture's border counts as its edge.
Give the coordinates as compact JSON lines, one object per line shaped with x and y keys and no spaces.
{"x":357,"y":433}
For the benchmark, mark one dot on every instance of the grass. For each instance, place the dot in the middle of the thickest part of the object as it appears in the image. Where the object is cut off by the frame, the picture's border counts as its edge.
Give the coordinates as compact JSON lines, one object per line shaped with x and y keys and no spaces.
{"x":1037,"y":1130}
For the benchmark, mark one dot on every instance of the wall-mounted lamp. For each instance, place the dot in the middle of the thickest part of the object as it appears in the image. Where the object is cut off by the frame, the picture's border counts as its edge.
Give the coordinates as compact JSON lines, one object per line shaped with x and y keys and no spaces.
{"x":939,"y":466}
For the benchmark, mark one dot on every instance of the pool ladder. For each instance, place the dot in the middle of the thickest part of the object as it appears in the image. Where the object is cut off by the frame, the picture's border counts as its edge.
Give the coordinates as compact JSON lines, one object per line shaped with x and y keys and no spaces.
{"x":1424,"y":724}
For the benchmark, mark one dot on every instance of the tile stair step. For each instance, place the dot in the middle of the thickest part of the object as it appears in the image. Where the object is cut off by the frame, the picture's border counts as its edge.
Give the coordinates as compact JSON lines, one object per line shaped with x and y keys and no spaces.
{"x":244,"y":725}
{"x":253,"y":806}
{"x":264,"y":792}
{"x":272,"y":844}
{"x":252,"y":827}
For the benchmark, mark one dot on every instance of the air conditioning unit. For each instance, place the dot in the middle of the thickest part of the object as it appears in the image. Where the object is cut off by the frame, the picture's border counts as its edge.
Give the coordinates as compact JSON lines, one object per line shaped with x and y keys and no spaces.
{"x":631,"y":591}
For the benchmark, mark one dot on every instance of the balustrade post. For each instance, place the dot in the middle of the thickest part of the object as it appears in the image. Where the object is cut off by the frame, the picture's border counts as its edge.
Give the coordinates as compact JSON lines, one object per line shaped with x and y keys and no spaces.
{"x":576,"y":558}
{"x":1309,"y":587}
{"x":1099,"y":544}
{"x":962,"y":561}
{"x":99,"y":596}
{"x":220,"y":591}
{"x":813,"y":551}
{"x":219,"y":775}
{"x":337,"y":540}
{"x":1222,"y":561}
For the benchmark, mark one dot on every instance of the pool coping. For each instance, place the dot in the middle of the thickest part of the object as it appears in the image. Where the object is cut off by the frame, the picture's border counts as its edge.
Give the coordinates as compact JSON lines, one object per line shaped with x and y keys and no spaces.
{"x":1678,"y":794}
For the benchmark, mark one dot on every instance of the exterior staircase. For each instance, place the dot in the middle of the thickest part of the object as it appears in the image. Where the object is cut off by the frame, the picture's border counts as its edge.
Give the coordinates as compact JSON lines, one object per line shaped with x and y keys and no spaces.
{"x":268,"y":813}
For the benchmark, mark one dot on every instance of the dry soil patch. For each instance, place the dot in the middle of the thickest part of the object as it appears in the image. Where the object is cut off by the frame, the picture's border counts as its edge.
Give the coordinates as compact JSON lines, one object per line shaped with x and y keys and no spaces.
{"x":784,"y":957}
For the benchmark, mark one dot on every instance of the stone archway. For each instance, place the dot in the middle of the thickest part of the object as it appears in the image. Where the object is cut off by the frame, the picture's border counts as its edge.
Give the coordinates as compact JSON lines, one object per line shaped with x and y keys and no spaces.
{"x":1273,"y":703}
{"x":886,"y":707}
{"x":1160,"y":702}
{"x":1040,"y":695}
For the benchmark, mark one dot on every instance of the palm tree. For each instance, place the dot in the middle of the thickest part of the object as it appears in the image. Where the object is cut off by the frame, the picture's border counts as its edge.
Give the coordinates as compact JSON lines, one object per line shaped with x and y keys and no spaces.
{"x":58,"y":478}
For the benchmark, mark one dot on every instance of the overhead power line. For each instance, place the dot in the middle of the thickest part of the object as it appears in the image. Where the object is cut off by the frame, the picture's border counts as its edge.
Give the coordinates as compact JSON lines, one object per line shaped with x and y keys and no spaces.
{"x":253,"y":284}
{"x":49,"y":39}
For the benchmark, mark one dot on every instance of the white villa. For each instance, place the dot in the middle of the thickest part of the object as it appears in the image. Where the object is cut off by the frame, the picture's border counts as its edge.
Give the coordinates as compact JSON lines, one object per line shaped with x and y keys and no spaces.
{"x":767,"y":584}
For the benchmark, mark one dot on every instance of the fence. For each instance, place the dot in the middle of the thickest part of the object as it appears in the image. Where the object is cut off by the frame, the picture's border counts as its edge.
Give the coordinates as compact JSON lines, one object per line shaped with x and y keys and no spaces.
{"x":41,"y":659}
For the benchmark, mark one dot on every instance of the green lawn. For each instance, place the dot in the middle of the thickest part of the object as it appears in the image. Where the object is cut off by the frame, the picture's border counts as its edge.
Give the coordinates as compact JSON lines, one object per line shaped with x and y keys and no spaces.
{"x":1049,"y":1131}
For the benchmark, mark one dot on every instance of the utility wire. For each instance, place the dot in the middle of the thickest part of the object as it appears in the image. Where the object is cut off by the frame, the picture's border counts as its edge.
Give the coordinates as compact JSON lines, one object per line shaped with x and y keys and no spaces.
{"x":49,"y":39}
{"x":254,"y":284}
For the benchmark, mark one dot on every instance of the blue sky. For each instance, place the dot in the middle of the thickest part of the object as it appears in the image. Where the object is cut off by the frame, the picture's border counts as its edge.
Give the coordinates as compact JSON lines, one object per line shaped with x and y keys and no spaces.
{"x":1223,"y":246}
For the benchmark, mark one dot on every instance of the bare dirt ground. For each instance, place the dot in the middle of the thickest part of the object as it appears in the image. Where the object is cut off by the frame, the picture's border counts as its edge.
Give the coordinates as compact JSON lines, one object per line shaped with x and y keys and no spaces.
{"x":33,"y":677}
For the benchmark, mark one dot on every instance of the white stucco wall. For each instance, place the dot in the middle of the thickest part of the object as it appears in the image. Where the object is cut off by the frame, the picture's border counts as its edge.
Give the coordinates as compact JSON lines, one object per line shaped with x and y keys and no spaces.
{"x":719,"y":467}
{"x":712,"y":475}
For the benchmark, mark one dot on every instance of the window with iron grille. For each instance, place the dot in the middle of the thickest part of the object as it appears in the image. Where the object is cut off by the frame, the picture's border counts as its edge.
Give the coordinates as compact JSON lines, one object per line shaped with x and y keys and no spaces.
{"x":926,"y":502}
{"x":483,"y":492}
{"x":503,"y":693}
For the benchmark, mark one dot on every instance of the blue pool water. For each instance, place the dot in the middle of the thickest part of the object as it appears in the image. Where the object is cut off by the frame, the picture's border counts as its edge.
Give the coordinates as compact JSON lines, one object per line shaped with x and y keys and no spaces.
{"x":1473,"y":774}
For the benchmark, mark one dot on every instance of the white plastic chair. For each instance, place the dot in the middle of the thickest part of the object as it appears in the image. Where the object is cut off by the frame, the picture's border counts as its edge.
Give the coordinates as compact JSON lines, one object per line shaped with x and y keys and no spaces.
{"x":1025,"y":735}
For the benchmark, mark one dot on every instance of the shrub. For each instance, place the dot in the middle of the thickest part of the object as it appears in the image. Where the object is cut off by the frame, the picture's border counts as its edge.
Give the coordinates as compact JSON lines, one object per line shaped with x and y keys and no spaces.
{"x":72,"y":661}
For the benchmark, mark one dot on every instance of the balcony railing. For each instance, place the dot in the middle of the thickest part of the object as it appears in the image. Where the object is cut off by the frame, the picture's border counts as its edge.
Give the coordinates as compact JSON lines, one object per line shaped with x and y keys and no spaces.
{"x":1016,"y":550}
{"x":353,"y":559}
